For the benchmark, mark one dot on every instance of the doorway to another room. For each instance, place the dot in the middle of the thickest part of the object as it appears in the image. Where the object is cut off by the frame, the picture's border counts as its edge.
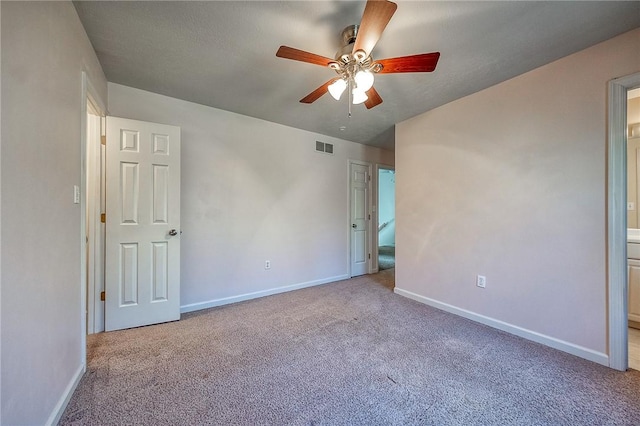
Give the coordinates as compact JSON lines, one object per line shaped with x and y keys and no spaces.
{"x":386,"y":217}
{"x":633,"y":225}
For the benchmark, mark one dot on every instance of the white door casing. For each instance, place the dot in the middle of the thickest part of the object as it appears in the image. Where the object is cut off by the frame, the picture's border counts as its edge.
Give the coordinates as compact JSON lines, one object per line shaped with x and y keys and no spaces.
{"x":617,"y":218}
{"x":142,"y":273}
{"x":95,"y":228}
{"x":359,"y":182}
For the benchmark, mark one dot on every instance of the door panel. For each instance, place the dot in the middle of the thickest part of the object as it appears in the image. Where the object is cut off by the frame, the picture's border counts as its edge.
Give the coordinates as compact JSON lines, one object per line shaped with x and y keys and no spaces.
{"x":359,"y":188}
{"x":142,"y":207}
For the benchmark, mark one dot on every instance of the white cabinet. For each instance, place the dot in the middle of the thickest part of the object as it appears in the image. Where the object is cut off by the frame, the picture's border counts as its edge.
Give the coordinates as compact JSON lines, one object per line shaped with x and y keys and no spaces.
{"x":633,"y":254}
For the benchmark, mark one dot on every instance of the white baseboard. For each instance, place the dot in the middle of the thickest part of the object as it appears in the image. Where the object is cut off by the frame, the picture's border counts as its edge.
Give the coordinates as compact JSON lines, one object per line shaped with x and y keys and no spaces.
{"x":582,"y":352}
{"x":57,"y":412}
{"x":248,"y":296}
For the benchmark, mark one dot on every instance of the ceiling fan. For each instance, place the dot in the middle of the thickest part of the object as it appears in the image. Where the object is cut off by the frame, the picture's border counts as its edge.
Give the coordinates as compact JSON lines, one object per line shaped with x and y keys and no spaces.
{"x":353,"y":62}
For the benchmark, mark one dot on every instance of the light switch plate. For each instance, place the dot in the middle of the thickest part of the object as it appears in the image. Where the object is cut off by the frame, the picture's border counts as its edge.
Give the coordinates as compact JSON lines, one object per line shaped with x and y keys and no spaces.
{"x":631,"y":205}
{"x":76,"y":194}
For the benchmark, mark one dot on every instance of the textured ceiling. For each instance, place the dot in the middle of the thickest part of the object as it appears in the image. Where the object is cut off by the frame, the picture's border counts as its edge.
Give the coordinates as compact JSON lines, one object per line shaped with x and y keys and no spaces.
{"x":222,"y":53}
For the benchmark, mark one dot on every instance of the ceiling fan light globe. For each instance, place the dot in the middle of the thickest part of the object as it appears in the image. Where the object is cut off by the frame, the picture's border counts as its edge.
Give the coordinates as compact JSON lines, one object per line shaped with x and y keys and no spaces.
{"x":336,"y":88}
{"x":364,"y":80}
{"x":359,"y":55}
{"x":359,"y":96}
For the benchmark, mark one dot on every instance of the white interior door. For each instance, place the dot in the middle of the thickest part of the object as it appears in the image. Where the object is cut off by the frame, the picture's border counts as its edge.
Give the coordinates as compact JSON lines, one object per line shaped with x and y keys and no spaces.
{"x":359,"y":177}
{"x":142,"y":252}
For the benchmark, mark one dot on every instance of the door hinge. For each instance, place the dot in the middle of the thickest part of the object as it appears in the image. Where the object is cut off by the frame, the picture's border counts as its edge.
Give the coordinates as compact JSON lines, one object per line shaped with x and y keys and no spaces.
{"x":103,"y":217}
{"x":369,"y":177}
{"x":103,"y":140}
{"x":369,"y":217}
{"x":369,"y":255}
{"x":102,"y":296}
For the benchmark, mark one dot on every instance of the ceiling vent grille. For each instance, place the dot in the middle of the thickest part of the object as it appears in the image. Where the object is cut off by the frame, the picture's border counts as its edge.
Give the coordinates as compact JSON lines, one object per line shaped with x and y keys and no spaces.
{"x":327,"y":148}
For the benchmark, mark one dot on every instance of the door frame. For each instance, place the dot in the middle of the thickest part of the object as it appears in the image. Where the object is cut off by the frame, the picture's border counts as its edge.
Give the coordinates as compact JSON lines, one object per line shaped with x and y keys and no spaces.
{"x":95,"y":228}
{"x":370,"y":210}
{"x":617,"y":219}
{"x":89,"y":95}
{"x":375,"y":253}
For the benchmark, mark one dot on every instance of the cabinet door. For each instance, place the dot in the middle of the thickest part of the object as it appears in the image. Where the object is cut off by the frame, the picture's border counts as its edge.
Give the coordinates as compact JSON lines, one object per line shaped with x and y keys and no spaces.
{"x":634,"y":290}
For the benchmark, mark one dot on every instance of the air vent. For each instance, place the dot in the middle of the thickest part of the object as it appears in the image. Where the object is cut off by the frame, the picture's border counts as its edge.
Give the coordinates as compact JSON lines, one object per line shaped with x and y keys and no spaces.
{"x":327,"y":148}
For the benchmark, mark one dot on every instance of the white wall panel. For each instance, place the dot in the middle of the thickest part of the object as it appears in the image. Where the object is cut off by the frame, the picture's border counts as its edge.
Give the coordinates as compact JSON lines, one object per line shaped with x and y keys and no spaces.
{"x":44,"y":51}
{"x":515,"y":192}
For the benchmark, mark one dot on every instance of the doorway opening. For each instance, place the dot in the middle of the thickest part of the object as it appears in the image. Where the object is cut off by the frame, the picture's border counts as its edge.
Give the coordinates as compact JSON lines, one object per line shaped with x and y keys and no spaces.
{"x":386,"y":217}
{"x":617,"y":261}
{"x":633,"y":226}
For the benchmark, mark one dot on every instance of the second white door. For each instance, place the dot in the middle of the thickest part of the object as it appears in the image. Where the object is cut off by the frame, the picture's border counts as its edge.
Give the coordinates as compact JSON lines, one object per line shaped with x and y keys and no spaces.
{"x":359,"y":178}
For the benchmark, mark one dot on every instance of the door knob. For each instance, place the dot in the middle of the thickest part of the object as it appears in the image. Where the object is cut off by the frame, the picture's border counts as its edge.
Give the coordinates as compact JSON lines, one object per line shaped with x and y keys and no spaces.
{"x":354,"y":226}
{"x":173,"y":232}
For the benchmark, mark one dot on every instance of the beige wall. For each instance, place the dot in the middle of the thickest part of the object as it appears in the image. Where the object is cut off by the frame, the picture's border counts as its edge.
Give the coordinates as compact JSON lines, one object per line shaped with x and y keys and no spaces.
{"x":44,"y":51}
{"x":252,"y":191}
{"x":510,"y":183}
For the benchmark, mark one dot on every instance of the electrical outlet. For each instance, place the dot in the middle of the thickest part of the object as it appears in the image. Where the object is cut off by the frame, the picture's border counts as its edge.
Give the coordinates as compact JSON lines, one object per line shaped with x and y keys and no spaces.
{"x":481,"y":281}
{"x":267,"y":264}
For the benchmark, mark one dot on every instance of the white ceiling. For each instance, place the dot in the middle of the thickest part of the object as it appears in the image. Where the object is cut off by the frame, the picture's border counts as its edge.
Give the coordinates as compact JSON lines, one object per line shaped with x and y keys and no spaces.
{"x":222,"y":53}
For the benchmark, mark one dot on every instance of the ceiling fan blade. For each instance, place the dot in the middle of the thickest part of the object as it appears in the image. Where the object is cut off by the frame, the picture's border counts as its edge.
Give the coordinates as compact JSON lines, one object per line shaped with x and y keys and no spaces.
{"x":316,"y":94}
{"x":376,"y":16}
{"x":425,"y":62}
{"x":302,"y":56}
{"x":373,"y":100}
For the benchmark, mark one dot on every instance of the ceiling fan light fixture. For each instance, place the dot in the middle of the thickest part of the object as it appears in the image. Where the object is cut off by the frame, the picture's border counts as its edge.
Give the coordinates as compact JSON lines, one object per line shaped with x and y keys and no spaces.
{"x":359,"y":55}
{"x":364,"y":80}
{"x":337,"y":88}
{"x":358,"y":96}
{"x":353,"y":61}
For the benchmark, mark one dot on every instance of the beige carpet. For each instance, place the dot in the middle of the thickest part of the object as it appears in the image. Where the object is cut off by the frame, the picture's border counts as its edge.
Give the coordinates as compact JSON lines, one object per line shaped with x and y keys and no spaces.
{"x":346,"y":353}
{"x":386,"y":257}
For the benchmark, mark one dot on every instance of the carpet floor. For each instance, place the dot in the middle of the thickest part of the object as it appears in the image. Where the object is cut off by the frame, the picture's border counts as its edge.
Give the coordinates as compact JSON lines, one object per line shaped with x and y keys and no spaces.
{"x":346,"y":353}
{"x":386,"y":257}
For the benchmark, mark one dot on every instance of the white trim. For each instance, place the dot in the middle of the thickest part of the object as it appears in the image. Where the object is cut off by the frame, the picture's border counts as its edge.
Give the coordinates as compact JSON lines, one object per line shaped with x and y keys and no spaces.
{"x":89,"y":94}
{"x":617,"y":219}
{"x":248,"y":296}
{"x":58,"y":410}
{"x":83,"y":217}
{"x":95,"y":228}
{"x":582,"y":352}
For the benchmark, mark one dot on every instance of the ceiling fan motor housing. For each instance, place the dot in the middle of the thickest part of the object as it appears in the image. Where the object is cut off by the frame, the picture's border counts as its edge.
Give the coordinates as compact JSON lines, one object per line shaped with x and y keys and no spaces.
{"x":349,"y":34}
{"x":349,"y":62}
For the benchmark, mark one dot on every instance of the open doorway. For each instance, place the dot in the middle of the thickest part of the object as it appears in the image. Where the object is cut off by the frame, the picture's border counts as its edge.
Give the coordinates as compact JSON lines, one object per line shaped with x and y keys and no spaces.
{"x":633,"y":225}
{"x":386,"y":217}
{"x":617,"y":216}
